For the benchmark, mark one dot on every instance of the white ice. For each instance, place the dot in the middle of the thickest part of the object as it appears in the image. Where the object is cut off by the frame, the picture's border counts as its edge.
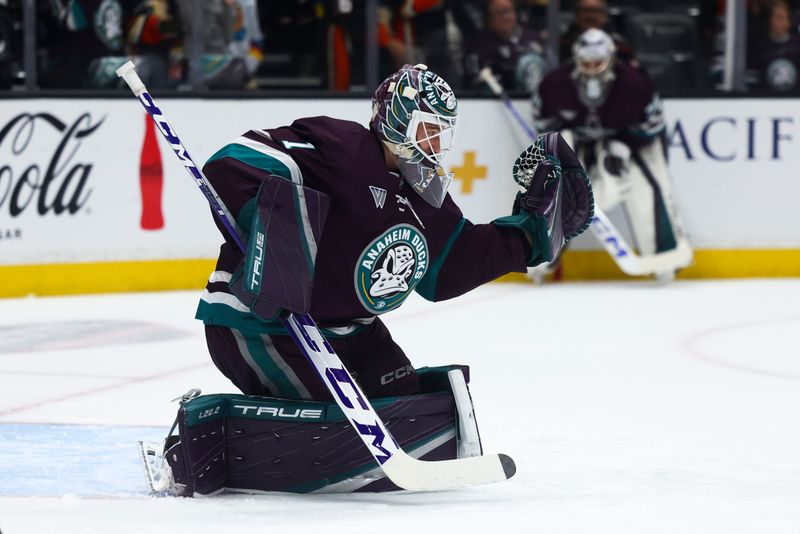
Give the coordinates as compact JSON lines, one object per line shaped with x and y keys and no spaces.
{"x":628,"y":407}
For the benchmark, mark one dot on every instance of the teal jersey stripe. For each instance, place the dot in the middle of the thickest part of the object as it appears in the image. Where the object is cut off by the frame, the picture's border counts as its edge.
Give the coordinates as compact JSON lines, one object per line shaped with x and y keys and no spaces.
{"x":253,"y":158}
{"x":427,"y":286}
{"x":262,"y":358}
{"x":245,"y":217}
{"x":216,"y":314}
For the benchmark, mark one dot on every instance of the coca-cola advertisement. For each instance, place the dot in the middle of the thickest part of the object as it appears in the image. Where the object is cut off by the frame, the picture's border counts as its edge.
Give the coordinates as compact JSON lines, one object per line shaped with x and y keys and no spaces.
{"x":151,"y":179}
{"x":57,"y":185}
{"x":85,"y":181}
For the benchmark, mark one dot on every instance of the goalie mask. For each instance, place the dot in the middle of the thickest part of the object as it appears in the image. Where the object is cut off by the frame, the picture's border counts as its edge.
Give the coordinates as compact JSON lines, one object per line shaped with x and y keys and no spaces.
{"x":414,"y":115}
{"x":594,"y":55}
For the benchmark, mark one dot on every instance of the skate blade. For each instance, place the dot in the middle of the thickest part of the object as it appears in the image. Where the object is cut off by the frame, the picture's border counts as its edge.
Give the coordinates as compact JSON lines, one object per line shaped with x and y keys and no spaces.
{"x":157,"y":472}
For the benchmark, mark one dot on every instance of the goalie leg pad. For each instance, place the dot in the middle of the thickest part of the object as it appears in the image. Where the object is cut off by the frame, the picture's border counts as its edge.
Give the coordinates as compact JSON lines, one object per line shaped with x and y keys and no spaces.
{"x":254,"y":444}
{"x":662,"y":230}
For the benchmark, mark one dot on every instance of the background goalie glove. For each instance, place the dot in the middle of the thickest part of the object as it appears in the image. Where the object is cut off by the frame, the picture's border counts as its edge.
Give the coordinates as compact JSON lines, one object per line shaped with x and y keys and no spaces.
{"x":557,"y":204}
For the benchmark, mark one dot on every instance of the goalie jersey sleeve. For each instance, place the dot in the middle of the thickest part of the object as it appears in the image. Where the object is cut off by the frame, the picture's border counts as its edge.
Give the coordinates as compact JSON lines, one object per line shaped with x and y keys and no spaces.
{"x":380,"y":242}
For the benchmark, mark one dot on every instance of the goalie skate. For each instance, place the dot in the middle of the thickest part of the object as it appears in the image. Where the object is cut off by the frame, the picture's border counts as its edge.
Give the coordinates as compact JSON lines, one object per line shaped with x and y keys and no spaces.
{"x":157,"y":471}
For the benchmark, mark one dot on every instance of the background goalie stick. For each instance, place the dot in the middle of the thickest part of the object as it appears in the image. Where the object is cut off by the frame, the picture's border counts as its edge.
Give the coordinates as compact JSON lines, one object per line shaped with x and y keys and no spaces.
{"x":612,"y":240}
{"x":404,"y":471}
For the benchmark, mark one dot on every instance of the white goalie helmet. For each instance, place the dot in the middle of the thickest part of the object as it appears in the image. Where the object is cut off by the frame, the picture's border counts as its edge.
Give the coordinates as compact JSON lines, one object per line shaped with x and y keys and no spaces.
{"x":414,"y":115}
{"x":594,"y":54}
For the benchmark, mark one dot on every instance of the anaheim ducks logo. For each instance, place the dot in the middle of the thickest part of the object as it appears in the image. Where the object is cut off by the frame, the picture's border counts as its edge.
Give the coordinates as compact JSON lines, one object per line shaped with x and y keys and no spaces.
{"x":781,"y":74}
{"x":390,"y":267}
{"x":438,"y":94}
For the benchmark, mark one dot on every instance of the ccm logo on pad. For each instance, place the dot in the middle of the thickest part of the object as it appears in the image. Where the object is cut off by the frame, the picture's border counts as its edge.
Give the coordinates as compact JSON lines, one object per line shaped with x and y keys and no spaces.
{"x":396,"y":374}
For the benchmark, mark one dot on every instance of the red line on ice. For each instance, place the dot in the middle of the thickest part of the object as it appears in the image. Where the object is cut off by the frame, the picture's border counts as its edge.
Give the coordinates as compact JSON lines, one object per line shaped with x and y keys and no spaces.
{"x":128,"y":382}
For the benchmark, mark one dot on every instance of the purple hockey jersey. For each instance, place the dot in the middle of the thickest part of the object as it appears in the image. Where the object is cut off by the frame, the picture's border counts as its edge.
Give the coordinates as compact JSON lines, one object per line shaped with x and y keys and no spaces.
{"x":631,"y":110}
{"x":381,"y":240}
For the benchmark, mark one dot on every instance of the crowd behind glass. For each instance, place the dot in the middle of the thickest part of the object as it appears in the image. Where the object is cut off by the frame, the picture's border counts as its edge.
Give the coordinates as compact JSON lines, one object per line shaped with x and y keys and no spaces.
{"x":271,"y":45}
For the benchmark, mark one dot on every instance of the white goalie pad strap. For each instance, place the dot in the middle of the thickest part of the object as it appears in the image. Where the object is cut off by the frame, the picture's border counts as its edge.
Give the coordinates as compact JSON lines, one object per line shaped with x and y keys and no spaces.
{"x":469,"y":441}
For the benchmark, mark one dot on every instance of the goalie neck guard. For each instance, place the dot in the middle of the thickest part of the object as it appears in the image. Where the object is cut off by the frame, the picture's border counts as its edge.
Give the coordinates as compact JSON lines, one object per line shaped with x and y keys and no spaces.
{"x":414,"y":115}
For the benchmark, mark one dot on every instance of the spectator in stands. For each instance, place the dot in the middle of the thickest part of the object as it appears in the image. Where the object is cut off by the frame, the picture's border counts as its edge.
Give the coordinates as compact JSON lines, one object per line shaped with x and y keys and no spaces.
{"x":593,"y":14}
{"x":512,"y":52}
{"x":7,"y":45}
{"x":294,"y":42}
{"x":757,"y":17}
{"x":533,"y":14}
{"x":775,"y":54}
{"x":414,"y":31}
{"x":468,"y":22}
{"x":344,"y":44}
{"x":213,"y":64}
{"x":248,"y":41}
{"x":85,"y":43}
{"x":468,"y":16}
{"x":153,"y":36}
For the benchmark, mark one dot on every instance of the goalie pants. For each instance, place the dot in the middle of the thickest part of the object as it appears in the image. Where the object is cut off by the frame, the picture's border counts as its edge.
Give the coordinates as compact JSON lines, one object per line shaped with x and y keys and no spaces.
{"x":272,"y":365}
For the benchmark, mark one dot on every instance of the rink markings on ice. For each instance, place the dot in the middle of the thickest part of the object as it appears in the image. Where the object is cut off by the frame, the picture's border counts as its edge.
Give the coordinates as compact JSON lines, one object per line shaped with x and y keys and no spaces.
{"x":50,"y":460}
{"x":64,"y":375}
{"x":83,"y":393}
{"x":765,"y":347}
{"x":81,"y":334}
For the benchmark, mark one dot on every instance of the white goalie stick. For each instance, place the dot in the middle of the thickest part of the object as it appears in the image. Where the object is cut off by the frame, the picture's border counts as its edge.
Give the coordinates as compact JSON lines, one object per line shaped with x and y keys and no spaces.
{"x":604,"y":230}
{"x":404,"y":471}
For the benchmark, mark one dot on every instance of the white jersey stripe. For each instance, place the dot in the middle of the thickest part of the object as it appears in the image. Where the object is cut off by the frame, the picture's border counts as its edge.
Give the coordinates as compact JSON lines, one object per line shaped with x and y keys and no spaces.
{"x":294,"y":170}
{"x":218,"y":297}
{"x":219,"y":276}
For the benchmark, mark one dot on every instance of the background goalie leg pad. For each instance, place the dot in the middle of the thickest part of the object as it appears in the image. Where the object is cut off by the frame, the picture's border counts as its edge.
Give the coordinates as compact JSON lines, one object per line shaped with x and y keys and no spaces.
{"x":253,"y":444}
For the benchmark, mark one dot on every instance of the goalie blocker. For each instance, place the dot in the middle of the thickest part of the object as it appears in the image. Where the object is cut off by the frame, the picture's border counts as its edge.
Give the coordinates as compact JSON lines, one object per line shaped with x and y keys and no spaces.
{"x":249,"y":444}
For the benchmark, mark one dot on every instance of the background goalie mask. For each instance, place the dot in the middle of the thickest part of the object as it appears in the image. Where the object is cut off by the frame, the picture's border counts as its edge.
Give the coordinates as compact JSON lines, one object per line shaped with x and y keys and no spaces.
{"x":594,"y":54}
{"x":414,"y":115}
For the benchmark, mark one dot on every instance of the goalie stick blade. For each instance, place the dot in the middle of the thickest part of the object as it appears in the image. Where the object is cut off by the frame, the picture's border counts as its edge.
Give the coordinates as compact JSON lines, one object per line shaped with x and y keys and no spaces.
{"x":418,"y":475}
{"x":631,"y":263}
{"x":509,"y":467}
{"x":662,"y":262}
{"x":670,"y":260}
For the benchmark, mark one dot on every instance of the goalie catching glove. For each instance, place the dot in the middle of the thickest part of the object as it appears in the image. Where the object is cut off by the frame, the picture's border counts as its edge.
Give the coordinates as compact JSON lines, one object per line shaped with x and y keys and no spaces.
{"x":557,"y":204}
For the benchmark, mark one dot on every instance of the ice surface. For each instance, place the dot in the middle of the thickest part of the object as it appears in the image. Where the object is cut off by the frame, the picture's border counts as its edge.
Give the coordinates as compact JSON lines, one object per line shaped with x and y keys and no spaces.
{"x":628,"y":407}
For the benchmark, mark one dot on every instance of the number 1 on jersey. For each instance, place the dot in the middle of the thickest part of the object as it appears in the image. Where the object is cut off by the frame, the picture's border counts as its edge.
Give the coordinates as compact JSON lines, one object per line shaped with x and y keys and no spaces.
{"x":292,"y":144}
